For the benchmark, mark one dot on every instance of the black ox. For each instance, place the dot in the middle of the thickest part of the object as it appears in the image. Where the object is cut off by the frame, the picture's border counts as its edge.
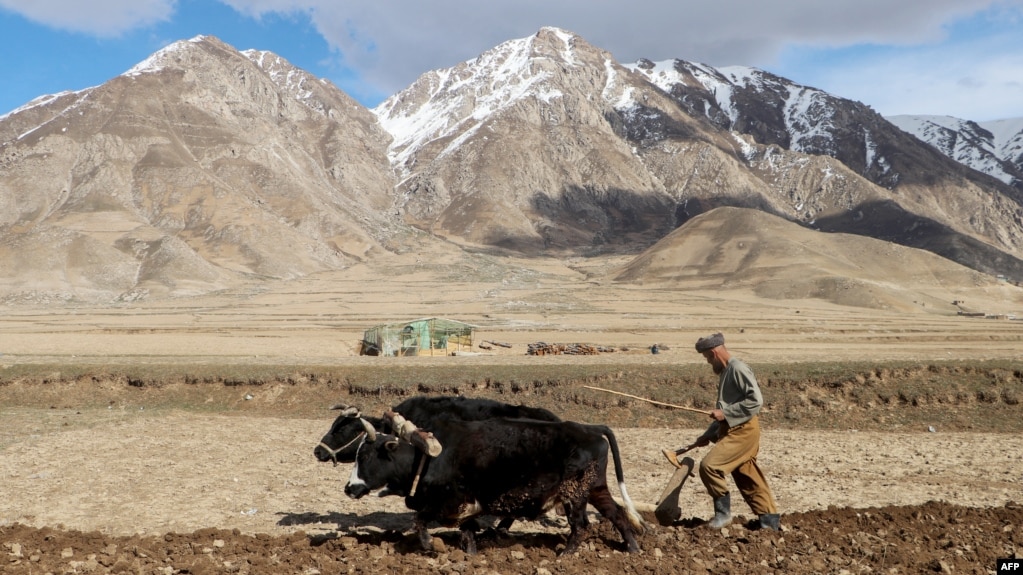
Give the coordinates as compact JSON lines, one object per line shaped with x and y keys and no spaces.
{"x":341,"y":442}
{"x":510,"y":468}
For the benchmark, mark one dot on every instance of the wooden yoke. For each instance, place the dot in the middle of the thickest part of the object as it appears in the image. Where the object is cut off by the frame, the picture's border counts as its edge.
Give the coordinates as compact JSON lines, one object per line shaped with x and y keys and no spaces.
{"x":405,"y":429}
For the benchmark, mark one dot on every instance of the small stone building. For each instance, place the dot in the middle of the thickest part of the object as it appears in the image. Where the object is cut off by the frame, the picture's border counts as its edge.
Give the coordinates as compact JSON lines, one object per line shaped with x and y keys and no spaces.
{"x":427,"y":336}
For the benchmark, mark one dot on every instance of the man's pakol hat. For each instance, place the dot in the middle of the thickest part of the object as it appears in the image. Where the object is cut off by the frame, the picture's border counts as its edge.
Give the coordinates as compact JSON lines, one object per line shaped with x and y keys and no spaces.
{"x":710,"y":342}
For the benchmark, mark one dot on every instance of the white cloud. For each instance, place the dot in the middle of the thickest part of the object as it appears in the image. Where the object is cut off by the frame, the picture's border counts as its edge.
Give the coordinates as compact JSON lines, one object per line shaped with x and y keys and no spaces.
{"x":389,"y":43}
{"x":393,"y":41}
{"x":97,"y":17}
{"x":977,"y":79}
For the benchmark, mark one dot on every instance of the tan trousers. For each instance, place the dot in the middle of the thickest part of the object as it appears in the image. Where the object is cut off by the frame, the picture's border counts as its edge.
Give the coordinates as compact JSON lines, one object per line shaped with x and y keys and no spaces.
{"x":735,"y":454}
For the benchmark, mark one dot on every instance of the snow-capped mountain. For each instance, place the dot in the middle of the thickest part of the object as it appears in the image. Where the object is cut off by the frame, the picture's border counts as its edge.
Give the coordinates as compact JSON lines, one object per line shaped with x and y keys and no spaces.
{"x":519,"y":148}
{"x":203,"y":167}
{"x":195,"y":170}
{"x":929,"y":198}
{"x":994,"y":148}
{"x":751,"y":101}
{"x":777,"y":111}
{"x":527,"y":128}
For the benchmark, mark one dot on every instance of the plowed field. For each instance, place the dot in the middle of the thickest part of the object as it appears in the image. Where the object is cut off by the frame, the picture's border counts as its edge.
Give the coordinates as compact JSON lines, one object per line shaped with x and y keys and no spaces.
{"x":154,"y":482}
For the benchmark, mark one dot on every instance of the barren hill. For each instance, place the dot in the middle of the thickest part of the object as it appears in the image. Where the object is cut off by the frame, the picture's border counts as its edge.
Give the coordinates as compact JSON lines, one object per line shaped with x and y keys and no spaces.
{"x":743,"y":249}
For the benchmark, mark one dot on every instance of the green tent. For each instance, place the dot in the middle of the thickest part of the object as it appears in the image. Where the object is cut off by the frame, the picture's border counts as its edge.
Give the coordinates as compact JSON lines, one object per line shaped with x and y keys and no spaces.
{"x":427,"y":336}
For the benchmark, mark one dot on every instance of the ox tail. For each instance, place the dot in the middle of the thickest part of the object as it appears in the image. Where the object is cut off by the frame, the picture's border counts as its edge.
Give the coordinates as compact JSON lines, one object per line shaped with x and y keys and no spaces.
{"x":635,"y":519}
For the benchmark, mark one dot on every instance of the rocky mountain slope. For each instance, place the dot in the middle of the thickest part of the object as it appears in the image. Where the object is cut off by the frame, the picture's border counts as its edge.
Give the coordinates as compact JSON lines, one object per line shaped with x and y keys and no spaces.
{"x":205,"y":169}
{"x":994,"y":148}
{"x":199,"y":169}
{"x":581,"y":154}
{"x":919,"y":197}
{"x":524,"y":149}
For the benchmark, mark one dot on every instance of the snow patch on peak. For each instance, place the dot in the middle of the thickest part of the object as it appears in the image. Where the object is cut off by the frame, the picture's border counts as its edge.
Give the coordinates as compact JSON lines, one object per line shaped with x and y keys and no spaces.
{"x":41,"y":101}
{"x":808,"y":118}
{"x":807,"y":113}
{"x":560,"y":32}
{"x":568,"y":54}
{"x":747,"y":147}
{"x":443,"y":102}
{"x":283,"y":74}
{"x":983,"y":146}
{"x":751,"y":78}
{"x":662,"y":74}
{"x":668,"y":73}
{"x":1000,"y":136}
{"x":258,"y":57}
{"x":154,"y":63}
{"x":1007,"y":136}
{"x":82,"y":96}
{"x":873,"y":155}
{"x":626,"y":98}
{"x":720,"y":86}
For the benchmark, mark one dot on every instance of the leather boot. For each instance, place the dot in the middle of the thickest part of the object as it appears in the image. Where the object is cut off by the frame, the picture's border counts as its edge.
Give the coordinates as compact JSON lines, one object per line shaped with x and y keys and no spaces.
{"x":722,"y":512}
{"x":770,"y":521}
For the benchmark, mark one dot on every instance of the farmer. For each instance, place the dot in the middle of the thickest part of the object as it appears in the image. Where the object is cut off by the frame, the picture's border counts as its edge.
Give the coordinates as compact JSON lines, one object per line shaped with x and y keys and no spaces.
{"x":736,"y":434}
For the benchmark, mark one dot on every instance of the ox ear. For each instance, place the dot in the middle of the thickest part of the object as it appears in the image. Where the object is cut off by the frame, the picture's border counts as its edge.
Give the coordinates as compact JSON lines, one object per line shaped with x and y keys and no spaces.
{"x":392,"y":445}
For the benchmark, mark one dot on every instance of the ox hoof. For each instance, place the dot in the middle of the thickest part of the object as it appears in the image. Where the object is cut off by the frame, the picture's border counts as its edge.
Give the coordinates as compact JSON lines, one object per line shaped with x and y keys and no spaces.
{"x":571,"y":548}
{"x":437,"y":545}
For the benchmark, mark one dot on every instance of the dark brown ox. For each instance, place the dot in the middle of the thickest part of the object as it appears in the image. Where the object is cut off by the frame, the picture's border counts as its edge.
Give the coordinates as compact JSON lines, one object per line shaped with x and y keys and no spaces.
{"x":340,"y":443}
{"x":510,"y":468}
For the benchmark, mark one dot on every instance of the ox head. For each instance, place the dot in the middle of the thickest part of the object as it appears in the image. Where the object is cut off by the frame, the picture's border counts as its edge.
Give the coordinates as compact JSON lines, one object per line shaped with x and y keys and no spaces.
{"x":342,"y":441}
{"x":382,"y":462}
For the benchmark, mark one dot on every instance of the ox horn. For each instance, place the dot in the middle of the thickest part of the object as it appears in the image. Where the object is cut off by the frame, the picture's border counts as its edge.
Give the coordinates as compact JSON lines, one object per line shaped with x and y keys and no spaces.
{"x":371,"y":432}
{"x":346,"y":410}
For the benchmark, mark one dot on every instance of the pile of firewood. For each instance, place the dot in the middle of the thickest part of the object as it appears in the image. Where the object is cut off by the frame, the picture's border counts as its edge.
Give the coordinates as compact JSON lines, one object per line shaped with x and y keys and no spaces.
{"x":542,"y":348}
{"x":487,"y":344}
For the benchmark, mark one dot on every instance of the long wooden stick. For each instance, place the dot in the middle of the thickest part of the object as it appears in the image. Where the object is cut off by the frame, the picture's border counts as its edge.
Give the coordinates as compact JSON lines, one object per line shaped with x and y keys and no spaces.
{"x":649,"y":400}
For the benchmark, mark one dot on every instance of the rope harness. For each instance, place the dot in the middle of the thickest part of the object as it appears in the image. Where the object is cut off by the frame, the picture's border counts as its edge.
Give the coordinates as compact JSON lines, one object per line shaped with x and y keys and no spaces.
{"x":404,"y":430}
{"x":333,"y":457}
{"x":333,"y":452}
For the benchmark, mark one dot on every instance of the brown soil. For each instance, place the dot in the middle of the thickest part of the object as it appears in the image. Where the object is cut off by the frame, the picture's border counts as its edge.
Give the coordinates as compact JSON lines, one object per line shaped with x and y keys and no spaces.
{"x":108,"y":477}
{"x":932,"y":538}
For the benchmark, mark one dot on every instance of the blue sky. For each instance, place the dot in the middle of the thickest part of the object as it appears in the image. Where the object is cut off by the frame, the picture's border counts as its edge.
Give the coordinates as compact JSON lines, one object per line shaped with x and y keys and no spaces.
{"x":961,"y":58}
